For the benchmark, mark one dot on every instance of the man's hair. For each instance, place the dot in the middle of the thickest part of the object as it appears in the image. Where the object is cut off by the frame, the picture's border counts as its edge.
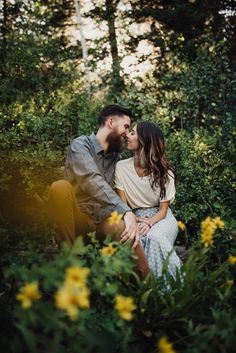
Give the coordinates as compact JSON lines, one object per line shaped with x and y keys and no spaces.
{"x":110,"y":110}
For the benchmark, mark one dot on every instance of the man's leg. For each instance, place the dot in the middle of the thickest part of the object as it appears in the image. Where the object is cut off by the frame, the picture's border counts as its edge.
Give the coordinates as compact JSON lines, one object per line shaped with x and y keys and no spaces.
{"x":64,"y":212}
{"x":115,"y":231}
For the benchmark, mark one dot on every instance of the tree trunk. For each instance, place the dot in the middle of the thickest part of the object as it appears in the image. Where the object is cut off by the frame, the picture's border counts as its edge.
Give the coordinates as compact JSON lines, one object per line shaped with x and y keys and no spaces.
{"x":117,"y":81}
{"x":84,"y":48}
{"x":3,"y":29}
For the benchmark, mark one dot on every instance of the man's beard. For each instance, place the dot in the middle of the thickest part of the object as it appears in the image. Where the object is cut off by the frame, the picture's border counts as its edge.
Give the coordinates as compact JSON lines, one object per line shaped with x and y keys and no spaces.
{"x":114,"y":142}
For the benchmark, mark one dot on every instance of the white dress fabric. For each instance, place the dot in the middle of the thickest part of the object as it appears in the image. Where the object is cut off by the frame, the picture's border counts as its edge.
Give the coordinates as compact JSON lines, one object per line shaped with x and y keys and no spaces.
{"x":158,"y":243}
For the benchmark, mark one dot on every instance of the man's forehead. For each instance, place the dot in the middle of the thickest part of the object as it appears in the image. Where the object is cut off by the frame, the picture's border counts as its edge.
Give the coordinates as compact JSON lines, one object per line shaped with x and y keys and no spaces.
{"x":124,"y":119}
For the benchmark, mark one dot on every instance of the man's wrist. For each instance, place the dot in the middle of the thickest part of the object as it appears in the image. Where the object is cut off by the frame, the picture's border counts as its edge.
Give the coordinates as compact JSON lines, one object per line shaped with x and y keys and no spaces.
{"x":128,"y":211}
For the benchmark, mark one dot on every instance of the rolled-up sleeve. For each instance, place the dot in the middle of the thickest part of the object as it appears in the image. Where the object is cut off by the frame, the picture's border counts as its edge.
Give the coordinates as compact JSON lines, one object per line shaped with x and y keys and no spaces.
{"x":87,"y":175}
{"x":170,"y":188}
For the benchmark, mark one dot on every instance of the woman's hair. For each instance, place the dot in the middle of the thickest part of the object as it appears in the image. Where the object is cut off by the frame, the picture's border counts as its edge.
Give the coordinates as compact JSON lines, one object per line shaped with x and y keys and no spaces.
{"x":151,"y":155}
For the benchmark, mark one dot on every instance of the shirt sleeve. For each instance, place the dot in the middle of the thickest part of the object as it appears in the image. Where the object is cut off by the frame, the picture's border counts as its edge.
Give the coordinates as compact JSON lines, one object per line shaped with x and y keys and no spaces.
{"x":118,"y":184}
{"x":88,"y":176}
{"x":170,"y":188}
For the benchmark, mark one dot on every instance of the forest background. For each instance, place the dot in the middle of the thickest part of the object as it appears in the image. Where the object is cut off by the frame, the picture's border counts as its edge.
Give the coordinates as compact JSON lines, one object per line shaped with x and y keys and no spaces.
{"x":172,"y":62}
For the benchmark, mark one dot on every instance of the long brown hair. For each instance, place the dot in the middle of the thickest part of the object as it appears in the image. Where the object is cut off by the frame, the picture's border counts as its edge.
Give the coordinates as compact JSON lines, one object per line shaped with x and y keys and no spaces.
{"x":152,"y":156}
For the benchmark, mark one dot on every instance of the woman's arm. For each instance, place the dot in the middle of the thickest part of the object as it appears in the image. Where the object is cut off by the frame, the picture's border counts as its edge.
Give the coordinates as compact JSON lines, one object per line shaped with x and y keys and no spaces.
{"x":147,"y":223}
{"x":121,"y":195}
{"x":161,"y":214}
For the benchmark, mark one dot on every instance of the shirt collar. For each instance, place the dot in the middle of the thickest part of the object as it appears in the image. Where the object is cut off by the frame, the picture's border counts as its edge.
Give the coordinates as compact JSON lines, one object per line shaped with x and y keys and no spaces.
{"x":98,"y":148}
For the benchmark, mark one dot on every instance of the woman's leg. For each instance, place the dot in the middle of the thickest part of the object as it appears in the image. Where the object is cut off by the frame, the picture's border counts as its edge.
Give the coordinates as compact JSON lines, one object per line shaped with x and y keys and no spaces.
{"x":159,"y":241}
{"x":159,"y":247}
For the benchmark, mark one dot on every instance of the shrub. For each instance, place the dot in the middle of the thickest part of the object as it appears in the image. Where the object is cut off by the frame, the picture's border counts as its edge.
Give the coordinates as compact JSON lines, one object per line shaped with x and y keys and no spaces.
{"x":184,"y":310}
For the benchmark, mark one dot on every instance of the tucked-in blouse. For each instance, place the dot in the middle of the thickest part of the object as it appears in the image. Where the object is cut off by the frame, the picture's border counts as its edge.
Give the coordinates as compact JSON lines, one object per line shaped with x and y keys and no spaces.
{"x":138,"y":190}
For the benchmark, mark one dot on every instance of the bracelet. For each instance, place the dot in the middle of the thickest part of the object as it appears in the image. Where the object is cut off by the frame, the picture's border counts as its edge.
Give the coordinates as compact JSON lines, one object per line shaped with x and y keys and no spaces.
{"x":148,"y":223}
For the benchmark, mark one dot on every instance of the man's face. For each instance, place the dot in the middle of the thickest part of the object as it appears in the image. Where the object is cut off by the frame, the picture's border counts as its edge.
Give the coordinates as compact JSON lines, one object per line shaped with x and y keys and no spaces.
{"x":120,"y":129}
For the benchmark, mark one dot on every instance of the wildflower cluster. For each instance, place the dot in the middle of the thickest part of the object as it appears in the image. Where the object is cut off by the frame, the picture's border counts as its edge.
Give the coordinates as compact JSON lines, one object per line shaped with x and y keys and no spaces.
{"x":108,"y":250}
{"x":114,"y":218}
{"x":232,"y":259}
{"x":74,"y":294}
{"x":164,"y":346}
{"x":209,"y":226}
{"x":28,"y":293}
{"x":181,"y":225}
{"x":125,"y":306}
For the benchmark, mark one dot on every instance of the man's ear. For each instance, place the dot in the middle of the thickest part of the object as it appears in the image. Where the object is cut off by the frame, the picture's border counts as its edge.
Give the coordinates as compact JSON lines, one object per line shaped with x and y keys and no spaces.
{"x":110,"y":122}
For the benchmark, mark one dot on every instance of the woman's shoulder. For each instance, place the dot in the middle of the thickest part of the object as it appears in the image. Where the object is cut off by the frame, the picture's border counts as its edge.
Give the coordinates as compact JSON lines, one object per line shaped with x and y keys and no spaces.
{"x":124,"y":162}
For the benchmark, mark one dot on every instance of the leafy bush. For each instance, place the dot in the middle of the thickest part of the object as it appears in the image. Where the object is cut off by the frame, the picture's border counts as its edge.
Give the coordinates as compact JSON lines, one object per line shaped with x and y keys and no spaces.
{"x":186,"y":310}
{"x":204,"y":175}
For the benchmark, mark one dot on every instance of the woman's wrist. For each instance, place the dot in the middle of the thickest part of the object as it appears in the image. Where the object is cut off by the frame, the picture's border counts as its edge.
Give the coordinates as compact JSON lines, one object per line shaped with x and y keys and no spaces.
{"x":151,"y":222}
{"x":148,"y":223}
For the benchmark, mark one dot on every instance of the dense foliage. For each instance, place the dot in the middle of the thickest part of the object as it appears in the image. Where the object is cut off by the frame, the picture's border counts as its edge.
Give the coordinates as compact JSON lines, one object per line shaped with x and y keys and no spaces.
{"x":190,"y":92}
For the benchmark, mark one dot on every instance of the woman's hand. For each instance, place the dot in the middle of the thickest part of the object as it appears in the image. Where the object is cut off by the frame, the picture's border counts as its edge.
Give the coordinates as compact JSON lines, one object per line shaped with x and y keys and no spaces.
{"x":144,"y":227}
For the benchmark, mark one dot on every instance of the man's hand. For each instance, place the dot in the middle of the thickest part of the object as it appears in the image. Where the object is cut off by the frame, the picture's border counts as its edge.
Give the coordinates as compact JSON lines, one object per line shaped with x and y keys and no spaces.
{"x":131,"y":232}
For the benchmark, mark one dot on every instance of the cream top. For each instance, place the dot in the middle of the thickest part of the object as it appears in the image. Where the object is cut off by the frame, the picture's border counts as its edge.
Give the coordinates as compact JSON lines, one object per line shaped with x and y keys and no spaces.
{"x":138,"y":191}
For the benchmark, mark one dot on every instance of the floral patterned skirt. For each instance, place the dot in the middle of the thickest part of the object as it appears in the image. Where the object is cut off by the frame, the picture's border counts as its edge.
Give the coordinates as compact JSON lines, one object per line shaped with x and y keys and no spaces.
{"x":159,"y":241}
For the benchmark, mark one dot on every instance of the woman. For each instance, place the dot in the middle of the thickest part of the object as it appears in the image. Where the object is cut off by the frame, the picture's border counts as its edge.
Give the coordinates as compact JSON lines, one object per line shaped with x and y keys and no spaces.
{"x":146,"y":182}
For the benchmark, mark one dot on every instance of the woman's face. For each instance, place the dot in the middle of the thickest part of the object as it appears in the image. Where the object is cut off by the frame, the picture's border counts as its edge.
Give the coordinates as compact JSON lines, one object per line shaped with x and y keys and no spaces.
{"x":132,"y":139}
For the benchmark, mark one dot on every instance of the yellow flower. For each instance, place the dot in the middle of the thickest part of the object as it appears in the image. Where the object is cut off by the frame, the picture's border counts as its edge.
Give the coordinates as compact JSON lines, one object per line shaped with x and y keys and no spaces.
{"x":108,"y":250}
{"x":181,"y":225}
{"x":208,"y":230}
{"x":28,"y":294}
{"x":208,"y":223}
{"x":232,"y":259}
{"x":125,"y":306}
{"x":76,"y":276}
{"x":207,"y":237}
{"x":70,"y":299}
{"x":114,"y":218}
{"x":164,"y":346}
{"x":83,"y":298}
{"x":218,"y":222}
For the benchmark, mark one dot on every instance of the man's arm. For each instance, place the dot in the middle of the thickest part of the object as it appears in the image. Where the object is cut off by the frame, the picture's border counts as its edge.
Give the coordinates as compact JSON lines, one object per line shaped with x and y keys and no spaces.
{"x":88,"y":176}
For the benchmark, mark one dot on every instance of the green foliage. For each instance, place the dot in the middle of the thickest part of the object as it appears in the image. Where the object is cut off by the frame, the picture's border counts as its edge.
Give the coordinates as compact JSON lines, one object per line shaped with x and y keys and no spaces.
{"x":47,"y":120}
{"x":191,"y":94}
{"x":34,"y":54}
{"x":205,"y":180}
{"x":183,"y":309}
{"x":200,"y":92}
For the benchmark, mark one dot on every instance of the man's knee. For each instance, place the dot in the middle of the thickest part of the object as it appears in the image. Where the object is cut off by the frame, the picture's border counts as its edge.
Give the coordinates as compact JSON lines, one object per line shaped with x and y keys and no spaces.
{"x":104,"y":228}
{"x":60,"y":186}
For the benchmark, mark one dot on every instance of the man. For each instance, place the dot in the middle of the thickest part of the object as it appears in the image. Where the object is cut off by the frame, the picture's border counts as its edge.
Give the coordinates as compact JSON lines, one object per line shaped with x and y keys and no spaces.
{"x":83,"y":202}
